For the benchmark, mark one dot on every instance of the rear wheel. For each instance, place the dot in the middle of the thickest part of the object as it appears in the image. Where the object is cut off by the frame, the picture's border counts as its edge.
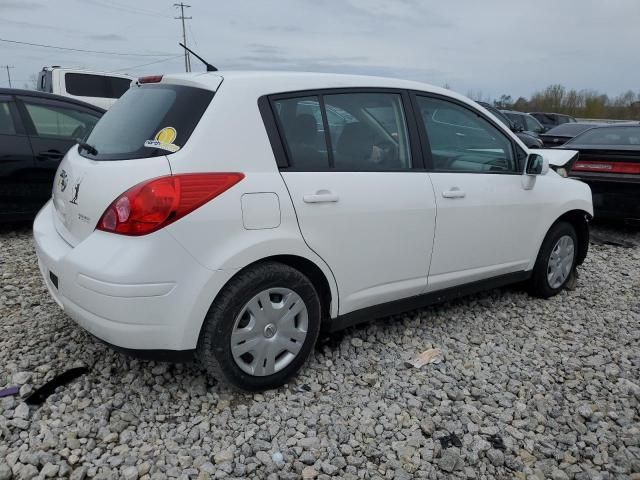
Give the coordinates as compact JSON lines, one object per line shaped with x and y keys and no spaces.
{"x":261,"y":328}
{"x":556,"y":261}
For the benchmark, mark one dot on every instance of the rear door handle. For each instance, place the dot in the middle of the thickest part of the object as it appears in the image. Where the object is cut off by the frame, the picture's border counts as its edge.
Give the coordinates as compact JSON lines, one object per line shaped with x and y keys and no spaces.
{"x":321,"y":196}
{"x":50,"y":154}
{"x":455,"y":192}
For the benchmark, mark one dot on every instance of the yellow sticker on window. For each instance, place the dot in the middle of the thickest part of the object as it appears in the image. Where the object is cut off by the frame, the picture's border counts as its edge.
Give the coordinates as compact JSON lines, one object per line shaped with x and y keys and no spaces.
{"x":164,"y":140}
{"x":166,"y":135}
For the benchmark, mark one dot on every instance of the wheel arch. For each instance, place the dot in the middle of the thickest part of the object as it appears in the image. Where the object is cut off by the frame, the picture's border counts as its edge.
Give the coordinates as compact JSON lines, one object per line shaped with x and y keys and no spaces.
{"x":579,"y":219}
{"x":327,"y":291}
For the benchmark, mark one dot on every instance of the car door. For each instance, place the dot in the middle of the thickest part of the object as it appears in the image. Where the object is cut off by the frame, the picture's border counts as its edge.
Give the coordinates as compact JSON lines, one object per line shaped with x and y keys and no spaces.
{"x":361,"y":204}
{"x":53,"y":127}
{"x":16,"y":160}
{"x":487,"y":219}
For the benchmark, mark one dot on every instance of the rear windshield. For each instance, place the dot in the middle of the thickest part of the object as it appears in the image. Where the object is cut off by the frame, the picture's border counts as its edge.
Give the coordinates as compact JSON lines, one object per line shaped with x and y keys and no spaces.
{"x":569,"y":129}
{"x":148,"y":121}
{"x":609,"y":136}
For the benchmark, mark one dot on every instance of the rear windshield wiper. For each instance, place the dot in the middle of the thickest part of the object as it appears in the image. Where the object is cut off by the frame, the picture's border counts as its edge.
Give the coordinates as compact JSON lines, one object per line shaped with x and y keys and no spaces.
{"x":85,"y":146}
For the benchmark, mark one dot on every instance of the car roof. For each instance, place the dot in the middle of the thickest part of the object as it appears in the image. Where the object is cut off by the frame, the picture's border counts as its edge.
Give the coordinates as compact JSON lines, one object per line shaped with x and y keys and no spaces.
{"x":630,"y":123}
{"x":51,"y":96}
{"x":273,"y":82}
{"x":515,"y":112}
{"x":551,"y":113}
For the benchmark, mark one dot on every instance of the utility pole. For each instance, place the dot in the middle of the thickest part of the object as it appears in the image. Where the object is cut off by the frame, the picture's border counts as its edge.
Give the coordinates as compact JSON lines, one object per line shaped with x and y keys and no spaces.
{"x":8,"y":73}
{"x":187,"y":60}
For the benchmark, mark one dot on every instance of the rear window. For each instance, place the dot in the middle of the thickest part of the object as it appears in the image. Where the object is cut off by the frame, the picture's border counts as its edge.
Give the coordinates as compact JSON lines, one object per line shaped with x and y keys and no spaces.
{"x":103,"y":86}
{"x":609,"y":136}
{"x":148,"y":121}
{"x":568,"y":129}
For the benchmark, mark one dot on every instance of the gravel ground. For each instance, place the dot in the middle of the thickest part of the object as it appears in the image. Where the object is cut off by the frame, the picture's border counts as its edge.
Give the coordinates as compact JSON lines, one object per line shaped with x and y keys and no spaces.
{"x":530,"y":389}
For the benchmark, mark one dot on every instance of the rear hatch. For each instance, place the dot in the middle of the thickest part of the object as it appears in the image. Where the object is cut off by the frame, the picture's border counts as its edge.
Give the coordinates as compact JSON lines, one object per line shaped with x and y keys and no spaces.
{"x":132,"y":142}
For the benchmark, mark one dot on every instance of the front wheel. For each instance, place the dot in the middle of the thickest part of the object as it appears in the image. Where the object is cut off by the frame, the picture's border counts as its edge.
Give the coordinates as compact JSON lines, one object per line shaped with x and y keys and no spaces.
{"x":556,"y":261}
{"x":261,"y":328}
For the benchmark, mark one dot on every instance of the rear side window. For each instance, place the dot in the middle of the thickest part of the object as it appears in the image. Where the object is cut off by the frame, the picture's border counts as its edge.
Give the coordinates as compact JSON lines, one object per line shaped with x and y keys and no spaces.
{"x":149,"y":121}
{"x":86,"y":85}
{"x":6,"y":121}
{"x":345,"y":131}
{"x":302,"y":128}
{"x":53,"y":120}
{"x":371,"y":134}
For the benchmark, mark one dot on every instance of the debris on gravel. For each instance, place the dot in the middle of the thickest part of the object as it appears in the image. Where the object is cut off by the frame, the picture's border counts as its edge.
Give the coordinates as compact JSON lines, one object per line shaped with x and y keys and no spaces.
{"x":530,"y":389}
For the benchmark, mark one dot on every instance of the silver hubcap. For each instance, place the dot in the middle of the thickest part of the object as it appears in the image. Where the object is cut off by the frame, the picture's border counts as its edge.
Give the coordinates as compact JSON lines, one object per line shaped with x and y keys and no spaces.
{"x":560,"y":261}
{"x":269,"y":331}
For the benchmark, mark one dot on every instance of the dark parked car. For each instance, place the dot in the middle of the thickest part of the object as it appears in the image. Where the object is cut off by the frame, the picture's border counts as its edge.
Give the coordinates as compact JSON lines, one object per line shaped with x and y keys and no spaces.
{"x":525,"y":121}
{"x":563,"y":133}
{"x":529,"y":140}
{"x":609,"y":162}
{"x":550,"y":120}
{"x":36,"y":130}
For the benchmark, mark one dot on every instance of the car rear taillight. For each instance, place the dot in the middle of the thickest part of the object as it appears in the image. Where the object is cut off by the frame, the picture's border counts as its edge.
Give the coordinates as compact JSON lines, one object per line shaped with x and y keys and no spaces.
{"x":605,"y":166}
{"x":150,"y":79}
{"x":154,"y":204}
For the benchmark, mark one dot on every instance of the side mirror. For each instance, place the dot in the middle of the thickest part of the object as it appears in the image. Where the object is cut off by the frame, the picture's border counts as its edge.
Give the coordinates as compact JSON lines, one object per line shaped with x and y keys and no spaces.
{"x":536,"y":165}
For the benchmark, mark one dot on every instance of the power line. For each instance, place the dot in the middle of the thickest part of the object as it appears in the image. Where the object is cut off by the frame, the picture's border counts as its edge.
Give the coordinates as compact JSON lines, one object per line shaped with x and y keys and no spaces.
{"x":187,"y":60}
{"x":85,"y":51}
{"x":8,"y":74}
{"x":145,"y":64}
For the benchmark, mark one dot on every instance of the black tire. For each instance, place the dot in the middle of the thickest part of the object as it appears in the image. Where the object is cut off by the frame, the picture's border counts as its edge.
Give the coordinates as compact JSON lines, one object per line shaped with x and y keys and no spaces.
{"x":539,"y":285}
{"x":214,"y":344}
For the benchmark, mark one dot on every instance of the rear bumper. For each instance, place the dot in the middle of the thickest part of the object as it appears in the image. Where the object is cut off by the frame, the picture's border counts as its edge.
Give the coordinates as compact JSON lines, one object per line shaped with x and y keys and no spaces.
{"x":161,"y":305}
{"x":617,"y":197}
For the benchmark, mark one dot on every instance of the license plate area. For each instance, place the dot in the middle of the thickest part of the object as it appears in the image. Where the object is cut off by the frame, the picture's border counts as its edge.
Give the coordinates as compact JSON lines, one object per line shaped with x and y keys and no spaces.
{"x":54,"y":279}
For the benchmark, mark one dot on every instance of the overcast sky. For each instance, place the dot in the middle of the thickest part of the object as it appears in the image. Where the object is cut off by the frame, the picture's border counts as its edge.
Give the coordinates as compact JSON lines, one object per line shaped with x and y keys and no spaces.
{"x":492,"y":46}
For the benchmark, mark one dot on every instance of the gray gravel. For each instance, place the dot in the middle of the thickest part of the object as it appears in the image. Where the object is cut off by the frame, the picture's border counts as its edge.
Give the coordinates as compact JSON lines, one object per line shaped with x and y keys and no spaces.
{"x":558,"y":381}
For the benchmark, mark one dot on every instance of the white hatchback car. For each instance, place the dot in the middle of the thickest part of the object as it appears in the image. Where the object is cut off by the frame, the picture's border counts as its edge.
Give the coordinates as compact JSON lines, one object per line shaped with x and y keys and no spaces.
{"x":231,"y":215}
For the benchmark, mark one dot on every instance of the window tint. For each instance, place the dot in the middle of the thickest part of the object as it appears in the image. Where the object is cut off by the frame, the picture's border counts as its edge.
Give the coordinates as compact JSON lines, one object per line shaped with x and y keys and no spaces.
{"x":57,"y":121}
{"x":368,"y":131}
{"x":86,"y":85}
{"x":462,"y":141}
{"x":301,"y":123}
{"x":142,"y":114}
{"x":6,"y":121}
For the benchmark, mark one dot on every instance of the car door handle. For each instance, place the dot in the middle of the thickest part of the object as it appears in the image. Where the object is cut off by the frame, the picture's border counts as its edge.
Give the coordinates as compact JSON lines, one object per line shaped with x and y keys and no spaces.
{"x":455,"y":192}
{"x":321,"y":196}
{"x":50,"y":154}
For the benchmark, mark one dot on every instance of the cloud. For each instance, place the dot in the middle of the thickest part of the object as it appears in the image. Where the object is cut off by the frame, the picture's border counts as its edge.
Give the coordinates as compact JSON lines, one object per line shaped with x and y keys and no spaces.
{"x":107,"y":37}
{"x":19,"y":5}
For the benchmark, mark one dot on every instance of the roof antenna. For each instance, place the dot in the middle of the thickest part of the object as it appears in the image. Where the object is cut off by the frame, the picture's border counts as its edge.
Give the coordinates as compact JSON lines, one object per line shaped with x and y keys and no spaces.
{"x":210,"y":68}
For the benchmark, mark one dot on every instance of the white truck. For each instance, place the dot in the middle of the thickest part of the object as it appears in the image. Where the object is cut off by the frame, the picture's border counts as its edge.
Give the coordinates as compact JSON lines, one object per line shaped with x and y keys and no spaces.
{"x":98,"y":88}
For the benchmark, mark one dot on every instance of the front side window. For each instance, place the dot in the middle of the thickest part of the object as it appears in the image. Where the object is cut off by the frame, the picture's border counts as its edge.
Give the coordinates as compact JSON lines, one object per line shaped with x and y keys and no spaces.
{"x":6,"y":121}
{"x":58,"y":121}
{"x":462,"y":141}
{"x":517,"y":119}
{"x":532,"y":124}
